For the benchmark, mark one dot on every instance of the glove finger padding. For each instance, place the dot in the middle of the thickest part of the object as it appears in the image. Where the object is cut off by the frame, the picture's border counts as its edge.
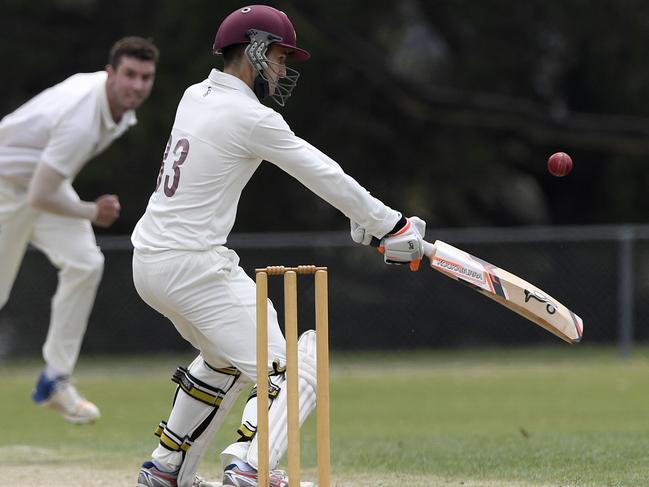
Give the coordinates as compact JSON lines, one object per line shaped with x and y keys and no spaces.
{"x":359,"y":234}
{"x":419,"y":224}
{"x":406,"y":245}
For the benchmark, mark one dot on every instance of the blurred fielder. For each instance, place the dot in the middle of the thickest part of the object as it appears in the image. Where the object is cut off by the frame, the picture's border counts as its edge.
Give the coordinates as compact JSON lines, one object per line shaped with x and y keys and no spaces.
{"x":182,"y":268}
{"x":43,"y":145}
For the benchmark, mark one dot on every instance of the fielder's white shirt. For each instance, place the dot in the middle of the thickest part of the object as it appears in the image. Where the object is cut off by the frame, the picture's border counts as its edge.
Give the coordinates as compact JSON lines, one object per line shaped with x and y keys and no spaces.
{"x":63,"y":126}
{"x":220,"y":136}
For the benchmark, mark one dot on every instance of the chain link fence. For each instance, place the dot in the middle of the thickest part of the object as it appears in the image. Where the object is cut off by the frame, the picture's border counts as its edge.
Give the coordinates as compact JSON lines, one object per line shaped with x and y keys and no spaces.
{"x":598,"y":272}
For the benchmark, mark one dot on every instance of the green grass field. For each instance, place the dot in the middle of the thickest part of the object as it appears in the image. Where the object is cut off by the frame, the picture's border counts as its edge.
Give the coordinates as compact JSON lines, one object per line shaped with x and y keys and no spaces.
{"x":559,"y":416}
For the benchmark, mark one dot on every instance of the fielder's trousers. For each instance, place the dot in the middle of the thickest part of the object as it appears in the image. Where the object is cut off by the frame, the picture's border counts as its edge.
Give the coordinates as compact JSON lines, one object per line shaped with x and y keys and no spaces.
{"x":70,"y":245}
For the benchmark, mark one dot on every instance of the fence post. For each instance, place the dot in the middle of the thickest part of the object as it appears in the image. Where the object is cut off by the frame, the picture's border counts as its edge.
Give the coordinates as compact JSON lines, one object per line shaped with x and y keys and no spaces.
{"x":626,"y":290}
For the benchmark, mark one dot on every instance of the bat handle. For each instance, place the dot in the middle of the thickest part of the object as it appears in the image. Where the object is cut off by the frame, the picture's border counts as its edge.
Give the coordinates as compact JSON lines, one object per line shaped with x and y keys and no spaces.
{"x":429,"y":249}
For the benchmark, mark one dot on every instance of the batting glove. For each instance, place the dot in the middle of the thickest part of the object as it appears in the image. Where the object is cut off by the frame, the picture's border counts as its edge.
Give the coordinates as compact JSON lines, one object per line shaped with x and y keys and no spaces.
{"x":405,"y":244}
{"x":359,"y":234}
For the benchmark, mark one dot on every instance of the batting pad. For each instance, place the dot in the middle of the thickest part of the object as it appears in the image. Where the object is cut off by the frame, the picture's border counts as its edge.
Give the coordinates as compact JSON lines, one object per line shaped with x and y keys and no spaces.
{"x":232,"y":386}
{"x":277,"y":413}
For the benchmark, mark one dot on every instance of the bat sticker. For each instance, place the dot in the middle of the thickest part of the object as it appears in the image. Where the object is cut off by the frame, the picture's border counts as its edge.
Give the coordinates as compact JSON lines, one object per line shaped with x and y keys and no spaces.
{"x":460,"y":270}
{"x":550,"y":307}
{"x":497,"y":285}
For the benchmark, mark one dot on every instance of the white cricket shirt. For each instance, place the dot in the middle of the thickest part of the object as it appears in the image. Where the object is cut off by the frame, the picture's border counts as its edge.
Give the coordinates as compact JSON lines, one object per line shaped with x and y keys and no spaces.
{"x":63,"y":126}
{"x":220,"y":136}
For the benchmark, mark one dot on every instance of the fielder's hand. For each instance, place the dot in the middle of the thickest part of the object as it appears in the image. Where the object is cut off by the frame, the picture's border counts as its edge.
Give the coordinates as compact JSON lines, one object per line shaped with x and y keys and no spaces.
{"x":107,"y":210}
{"x":405,"y":244}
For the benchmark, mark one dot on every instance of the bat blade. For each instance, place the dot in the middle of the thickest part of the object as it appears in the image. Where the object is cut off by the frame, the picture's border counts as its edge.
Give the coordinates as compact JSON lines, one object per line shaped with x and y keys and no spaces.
{"x":507,"y":289}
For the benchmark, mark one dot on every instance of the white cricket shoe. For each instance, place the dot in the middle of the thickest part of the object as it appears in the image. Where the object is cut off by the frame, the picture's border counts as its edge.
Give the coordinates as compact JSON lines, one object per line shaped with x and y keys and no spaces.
{"x":151,"y":476}
{"x":60,"y":395}
{"x":234,"y":476}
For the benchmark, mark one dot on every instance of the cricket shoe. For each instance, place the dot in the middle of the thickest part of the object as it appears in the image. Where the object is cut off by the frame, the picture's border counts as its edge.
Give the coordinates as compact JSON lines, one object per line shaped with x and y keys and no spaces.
{"x":152,"y":476}
{"x":234,"y":476}
{"x":60,"y":395}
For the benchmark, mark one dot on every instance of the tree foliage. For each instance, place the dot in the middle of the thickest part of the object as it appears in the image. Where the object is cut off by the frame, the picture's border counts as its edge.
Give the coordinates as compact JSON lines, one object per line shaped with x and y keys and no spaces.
{"x":445,"y":109}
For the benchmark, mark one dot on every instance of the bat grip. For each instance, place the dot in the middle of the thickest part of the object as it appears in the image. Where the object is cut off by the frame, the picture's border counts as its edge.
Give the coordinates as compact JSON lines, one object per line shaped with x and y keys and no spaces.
{"x":429,"y":248}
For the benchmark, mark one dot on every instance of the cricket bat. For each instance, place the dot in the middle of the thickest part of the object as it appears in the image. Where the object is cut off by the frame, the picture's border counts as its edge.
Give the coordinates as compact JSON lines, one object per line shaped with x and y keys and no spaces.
{"x":507,"y":289}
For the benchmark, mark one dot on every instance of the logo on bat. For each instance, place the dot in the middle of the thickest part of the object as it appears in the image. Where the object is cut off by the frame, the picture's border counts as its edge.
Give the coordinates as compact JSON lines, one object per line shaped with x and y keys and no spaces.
{"x":459,"y":270}
{"x":550,"y":307}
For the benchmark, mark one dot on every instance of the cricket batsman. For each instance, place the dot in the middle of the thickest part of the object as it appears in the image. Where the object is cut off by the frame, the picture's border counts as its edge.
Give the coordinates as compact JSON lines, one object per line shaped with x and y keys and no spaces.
{"x":183,"y":268}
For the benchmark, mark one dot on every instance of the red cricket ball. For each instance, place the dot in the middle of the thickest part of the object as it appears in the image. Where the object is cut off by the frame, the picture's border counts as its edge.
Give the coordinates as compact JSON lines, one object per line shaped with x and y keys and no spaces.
{"x":559,"y":164}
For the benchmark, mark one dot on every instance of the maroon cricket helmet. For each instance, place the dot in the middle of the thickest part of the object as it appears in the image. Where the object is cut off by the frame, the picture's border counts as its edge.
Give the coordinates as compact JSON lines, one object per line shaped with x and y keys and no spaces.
{"x":235,"y":29}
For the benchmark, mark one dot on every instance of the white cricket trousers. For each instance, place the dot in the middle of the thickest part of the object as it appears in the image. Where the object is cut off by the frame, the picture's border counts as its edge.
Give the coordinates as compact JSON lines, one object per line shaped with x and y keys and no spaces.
{"x":70,"y":245}
{"x":212,"y":303}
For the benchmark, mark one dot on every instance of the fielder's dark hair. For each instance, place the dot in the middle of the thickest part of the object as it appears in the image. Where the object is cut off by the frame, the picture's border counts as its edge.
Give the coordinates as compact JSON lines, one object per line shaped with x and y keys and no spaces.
{"x":232,"y":54}
{"x":132,"y":46}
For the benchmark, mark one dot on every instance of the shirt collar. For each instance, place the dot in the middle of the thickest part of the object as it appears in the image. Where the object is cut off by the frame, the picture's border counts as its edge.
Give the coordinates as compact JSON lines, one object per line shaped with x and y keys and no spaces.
{"x":225,"y":79}
{"x":128,"y":119}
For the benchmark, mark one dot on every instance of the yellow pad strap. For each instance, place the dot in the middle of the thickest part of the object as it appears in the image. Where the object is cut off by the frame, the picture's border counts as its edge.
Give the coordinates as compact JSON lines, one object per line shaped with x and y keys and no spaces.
{"x":170,"y":440}
{"x":197,"y":389}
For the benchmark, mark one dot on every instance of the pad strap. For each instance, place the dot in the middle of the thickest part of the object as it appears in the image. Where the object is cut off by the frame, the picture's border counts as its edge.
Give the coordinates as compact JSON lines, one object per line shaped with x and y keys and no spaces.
{"x":247,"y":430}
{"x":197,"y":389}
{"x":278,"y":368}
{"x":224,"y":370}
{"x":200,"y":391}
{"x":170,"y":440}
